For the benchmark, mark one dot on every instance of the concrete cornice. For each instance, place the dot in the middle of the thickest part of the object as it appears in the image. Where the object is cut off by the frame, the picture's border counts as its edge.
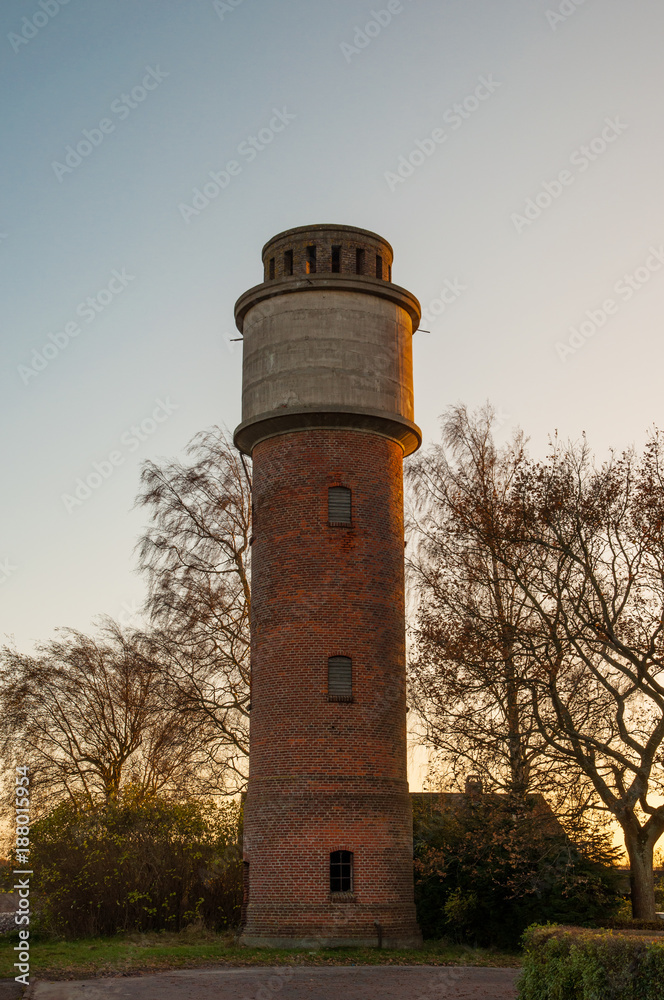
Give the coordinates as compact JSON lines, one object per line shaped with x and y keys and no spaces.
{"x":266,"y":425}
{"x":332,"y":282}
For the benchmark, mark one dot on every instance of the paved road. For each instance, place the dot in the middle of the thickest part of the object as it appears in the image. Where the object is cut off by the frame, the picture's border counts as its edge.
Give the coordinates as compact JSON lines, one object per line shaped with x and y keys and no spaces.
{"x":10,"y":990}
{"x":410,"y":982}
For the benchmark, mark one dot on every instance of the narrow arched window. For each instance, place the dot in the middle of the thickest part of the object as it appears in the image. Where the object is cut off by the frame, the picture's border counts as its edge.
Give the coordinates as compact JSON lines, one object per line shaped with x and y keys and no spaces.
{"x":339,"y":505}
{"x":341,"y":871}
{"x":340,"y":678}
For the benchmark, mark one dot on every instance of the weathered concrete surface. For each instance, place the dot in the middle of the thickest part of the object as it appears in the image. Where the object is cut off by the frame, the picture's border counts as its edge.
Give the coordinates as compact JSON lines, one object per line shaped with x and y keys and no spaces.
{"x":335,"y":346}
{"x":302,"y":983}
{"x":327,"y":346}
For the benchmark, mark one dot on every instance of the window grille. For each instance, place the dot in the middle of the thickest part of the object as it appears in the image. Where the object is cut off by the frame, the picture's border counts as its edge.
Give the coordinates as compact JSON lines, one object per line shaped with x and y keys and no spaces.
{"x":341,"y":871}
{"x":340,"y":678}
{"x":339,"y":505}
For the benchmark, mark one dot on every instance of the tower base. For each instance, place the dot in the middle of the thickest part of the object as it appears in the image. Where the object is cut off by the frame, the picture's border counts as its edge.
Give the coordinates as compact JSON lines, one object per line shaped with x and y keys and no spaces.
{"x":253,"y":941}
{"x":338,"y":924}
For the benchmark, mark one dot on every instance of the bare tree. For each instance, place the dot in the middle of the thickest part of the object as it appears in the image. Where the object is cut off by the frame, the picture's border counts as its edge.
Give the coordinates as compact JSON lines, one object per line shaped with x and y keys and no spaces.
{"x":551,"y":575}
{"x":196,"y":557}
{"x":596,"y":535}
{"x":469,"y":677}
{"x":90,"y":716}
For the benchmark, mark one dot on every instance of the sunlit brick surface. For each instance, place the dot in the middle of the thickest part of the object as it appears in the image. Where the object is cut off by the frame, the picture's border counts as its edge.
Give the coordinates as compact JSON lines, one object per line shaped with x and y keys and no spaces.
{"x":328,"y":776}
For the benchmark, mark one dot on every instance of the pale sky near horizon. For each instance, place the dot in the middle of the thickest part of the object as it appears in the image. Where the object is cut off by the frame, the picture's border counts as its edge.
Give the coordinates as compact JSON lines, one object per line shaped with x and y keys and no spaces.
{"x":534,"y":210}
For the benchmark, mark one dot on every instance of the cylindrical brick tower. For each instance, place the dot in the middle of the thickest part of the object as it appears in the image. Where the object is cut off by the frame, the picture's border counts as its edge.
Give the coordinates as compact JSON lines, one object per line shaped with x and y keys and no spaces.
{"x":327,"y":417}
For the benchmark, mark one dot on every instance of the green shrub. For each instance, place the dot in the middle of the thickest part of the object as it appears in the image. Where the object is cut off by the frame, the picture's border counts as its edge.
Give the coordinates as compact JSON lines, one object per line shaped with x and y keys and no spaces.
{"x":483,"y":873}
{"x":659,"y":889}
{"x":629,"y":924}
{"x":137,"y":864}
{"x":577,"y":964}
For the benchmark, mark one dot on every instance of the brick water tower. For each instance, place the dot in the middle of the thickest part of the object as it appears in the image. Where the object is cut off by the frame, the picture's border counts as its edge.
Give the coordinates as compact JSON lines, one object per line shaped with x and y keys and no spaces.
{"x":327,"y":417}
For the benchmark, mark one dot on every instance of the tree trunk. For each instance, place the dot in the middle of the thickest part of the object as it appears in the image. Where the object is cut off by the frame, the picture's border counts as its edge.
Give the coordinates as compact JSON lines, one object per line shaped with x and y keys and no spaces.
{"x":641,"y":878}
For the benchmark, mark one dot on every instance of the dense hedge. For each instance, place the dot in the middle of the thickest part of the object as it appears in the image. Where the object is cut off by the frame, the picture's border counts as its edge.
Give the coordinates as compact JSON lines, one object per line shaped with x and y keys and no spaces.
{"x":632,"y":925}
{"x":136,"y":864}
{"x":484,"y":873}
{"x":576,"y":964}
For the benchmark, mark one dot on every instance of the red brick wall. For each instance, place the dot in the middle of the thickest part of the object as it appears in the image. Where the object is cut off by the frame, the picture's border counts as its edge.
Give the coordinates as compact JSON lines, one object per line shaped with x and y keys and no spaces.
{"x":325,"y":775}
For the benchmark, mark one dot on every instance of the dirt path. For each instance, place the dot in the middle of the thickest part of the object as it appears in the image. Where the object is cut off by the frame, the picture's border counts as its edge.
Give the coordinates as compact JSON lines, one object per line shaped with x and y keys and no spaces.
{"x":411,"y":982}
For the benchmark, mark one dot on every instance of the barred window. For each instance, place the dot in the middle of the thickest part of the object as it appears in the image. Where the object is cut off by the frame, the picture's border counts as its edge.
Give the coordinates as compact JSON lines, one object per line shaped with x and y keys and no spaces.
{"x":339,"y":505}
{"x":341,"y":871}
{"x":340,"y":678}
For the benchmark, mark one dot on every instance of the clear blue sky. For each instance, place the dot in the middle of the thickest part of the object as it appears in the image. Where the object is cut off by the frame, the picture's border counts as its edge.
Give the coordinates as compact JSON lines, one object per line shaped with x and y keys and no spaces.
{"x":179,"y":87}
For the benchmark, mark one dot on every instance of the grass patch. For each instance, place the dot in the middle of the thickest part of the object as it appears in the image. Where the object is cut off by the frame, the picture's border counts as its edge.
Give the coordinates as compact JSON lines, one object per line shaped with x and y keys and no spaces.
{"x":193,"y":947}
